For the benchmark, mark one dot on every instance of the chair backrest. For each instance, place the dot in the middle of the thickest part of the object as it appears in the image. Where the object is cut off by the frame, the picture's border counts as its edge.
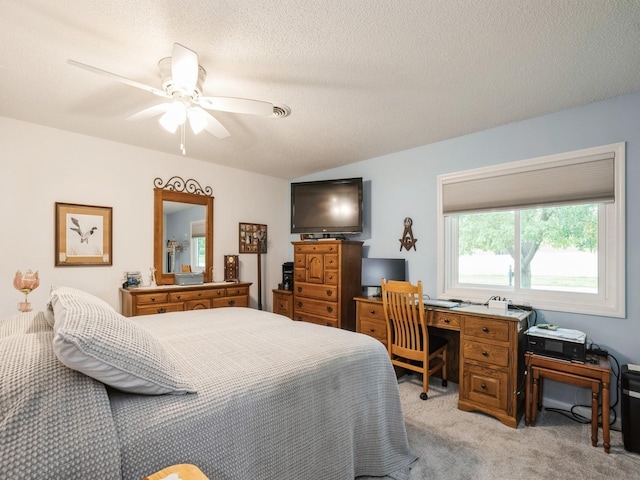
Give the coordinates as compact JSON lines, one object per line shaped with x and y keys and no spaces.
{"x":405,"y":317}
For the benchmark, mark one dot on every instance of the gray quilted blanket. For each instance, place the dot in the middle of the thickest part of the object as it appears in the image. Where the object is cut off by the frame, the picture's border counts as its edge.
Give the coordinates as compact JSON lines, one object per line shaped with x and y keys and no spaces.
{"x":276,"y":399}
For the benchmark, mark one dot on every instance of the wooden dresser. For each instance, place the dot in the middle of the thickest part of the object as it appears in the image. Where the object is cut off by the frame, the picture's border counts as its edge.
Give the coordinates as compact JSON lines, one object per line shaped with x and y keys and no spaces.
{"x":177,"y":298}
{"x":326,"y":278}
{"x":485,"y":355}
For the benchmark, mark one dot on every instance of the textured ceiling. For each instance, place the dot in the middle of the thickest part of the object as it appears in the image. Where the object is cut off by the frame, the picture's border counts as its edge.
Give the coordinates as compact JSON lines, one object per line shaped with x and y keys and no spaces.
{"x":363,"y":78}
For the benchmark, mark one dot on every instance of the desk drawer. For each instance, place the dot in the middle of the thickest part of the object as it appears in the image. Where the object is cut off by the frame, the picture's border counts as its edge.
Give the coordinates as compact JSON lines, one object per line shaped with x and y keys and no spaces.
{"x":485,"y":387}
{"x":371,"y":310}
{"x":486,"y":353}
{"x":486,"y":329}
{"x":446,"y":320}
{"x":374,"y":329}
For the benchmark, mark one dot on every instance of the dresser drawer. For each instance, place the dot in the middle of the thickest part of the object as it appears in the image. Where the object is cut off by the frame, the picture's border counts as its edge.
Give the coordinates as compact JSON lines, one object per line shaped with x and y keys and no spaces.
{"x":241,"y":301}
{"x":320,"y":292}
{"x":186,"y":296}
{"x":318,"y":320}
{"x":486,"y":353}
{"x":314,"y":247}
{"x":160,"y":308}
{"x":486,"y":329}
{"x":316,"y":307}
{"x":331,"y":261}
{"x":150,"y":298}
{"x":236,"y":291}
{"x":485,"y":387}
{"x":446,"y":320}
{"x":374,"y":328}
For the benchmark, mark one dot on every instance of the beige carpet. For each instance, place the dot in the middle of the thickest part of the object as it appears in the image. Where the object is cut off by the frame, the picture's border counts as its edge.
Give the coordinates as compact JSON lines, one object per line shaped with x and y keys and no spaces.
{"x":452,"y":444}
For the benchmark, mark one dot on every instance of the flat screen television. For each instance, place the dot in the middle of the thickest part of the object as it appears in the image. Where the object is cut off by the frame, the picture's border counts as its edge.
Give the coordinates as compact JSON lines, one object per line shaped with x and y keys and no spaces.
{"x":327,"y":206}
{"x":375,"y":269}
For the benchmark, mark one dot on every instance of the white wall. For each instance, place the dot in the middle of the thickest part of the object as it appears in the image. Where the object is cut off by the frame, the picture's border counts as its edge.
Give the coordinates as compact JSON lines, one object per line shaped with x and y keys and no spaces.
{"x":40,"y":166}
{"x":403,"y":184}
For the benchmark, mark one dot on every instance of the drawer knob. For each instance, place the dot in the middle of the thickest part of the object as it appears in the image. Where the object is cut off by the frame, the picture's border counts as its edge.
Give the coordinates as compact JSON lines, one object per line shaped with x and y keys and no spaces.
{"x":483,"y":386}
{"x":329,"y":293}
{"x":485,"y":329}
{"x":372,"y":312}
{"x":299,"y":304}
{"x":162,"y":310}
{"x":153,"y":299}
{"x":446,"y":320}
{"x":372,"y":330}
{"x":330,"y":309}
{"x":179,"y":296}
{"x":485,"y":354}
{"x":299,"y":289}
{"x":232,"y":303}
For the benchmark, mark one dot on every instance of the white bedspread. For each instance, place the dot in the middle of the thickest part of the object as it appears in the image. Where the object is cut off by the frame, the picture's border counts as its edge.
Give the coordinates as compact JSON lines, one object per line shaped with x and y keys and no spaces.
{"x":277,"y":399}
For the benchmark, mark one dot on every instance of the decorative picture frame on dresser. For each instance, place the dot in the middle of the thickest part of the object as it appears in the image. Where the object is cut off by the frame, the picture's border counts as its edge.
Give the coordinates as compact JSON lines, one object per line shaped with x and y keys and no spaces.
{"x":83,"y":235}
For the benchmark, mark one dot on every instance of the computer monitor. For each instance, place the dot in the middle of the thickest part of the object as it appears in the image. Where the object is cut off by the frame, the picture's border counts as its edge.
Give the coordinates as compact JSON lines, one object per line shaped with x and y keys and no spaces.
{"x":375,"y":269}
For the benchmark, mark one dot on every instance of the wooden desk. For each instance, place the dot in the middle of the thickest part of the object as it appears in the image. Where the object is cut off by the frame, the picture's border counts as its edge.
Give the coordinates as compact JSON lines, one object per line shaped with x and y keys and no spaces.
{"x":597,"y":377}
{"x":485,"y":354}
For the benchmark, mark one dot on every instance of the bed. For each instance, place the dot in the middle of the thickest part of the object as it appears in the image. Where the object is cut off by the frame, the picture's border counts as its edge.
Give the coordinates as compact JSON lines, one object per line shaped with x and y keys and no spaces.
{"x":241,"y":393}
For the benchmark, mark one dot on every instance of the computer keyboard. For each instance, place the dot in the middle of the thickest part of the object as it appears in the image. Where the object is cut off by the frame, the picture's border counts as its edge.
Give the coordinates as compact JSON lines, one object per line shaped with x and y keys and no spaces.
{"x":440,"y":303}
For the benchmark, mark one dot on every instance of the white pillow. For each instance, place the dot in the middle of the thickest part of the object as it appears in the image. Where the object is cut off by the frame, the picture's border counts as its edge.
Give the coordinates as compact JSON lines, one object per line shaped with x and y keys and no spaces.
{"x":59,"y":290}
{"x":92,"y":338}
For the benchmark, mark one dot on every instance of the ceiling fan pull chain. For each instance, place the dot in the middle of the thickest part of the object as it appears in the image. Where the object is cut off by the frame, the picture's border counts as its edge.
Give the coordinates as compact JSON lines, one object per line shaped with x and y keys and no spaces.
{"x":183,"y":139}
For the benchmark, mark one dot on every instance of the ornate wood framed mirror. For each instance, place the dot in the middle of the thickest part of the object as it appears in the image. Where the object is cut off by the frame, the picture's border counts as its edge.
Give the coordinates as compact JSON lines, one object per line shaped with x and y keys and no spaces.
{"x":182,"y":229}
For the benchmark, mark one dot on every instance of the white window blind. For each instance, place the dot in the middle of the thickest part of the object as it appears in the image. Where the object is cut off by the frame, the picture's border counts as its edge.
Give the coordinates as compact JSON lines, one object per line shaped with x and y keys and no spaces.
{"x":528,"y":184}
{"x":197,"y":229}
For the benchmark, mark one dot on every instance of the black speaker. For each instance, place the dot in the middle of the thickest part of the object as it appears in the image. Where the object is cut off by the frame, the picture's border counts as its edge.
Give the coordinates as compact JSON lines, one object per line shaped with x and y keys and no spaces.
{"x":287,"y":275}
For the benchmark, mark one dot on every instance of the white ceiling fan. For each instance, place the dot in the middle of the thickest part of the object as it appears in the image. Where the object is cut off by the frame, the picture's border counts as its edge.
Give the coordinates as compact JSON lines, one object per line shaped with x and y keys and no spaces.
{"x":182,"y":79}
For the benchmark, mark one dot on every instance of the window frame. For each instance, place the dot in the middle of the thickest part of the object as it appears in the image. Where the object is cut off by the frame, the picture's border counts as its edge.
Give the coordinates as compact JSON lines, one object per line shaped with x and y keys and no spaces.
{"x":610,"y":300}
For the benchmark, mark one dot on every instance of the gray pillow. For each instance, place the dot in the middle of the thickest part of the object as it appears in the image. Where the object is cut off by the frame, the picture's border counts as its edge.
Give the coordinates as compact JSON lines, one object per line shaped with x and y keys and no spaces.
{"x":19,"y":323}
{"x":92,"y":338}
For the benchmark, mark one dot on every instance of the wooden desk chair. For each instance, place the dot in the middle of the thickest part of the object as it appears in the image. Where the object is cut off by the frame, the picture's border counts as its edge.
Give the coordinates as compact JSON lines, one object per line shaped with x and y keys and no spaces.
{"x":408,"y":341}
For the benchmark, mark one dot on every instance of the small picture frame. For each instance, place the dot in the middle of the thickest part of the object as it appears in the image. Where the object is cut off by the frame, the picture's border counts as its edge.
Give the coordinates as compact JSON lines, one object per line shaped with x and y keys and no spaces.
{"x":252,"y":236}
{"x":83,"y":235}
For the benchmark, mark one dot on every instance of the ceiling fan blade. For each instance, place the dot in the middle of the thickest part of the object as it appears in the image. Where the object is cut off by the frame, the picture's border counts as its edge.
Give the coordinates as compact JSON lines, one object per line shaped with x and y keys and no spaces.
{"x":211,"y":125}
{"x":184,"y":68}
{"x":150,"y":112}
{"x":236,"y":105}
{"x":119,"y":78}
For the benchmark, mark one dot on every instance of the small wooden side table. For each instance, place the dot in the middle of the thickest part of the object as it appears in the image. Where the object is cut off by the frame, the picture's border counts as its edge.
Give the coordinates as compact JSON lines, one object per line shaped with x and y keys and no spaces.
{"x":283,"y":302}
{"x":597,"y":377}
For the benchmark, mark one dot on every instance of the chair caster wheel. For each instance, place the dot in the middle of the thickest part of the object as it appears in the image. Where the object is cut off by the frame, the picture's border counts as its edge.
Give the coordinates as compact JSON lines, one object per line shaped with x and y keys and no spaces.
{"x":444,"y":383}
{"x":423,"y":396}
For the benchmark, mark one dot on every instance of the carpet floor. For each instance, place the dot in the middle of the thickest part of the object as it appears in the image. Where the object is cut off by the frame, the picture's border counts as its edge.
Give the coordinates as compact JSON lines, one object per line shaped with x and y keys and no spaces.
{"x":452,"y":444}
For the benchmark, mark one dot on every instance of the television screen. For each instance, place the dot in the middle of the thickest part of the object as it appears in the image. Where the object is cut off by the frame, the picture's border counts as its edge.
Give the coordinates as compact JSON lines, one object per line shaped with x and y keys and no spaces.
{"x":327,"y":206}
{"x":374,"y":269}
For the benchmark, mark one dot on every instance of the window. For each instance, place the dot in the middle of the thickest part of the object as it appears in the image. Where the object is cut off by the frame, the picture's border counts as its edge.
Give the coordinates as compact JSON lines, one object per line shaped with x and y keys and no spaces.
{"x":198,"y":246}
{"x":548,"y":232}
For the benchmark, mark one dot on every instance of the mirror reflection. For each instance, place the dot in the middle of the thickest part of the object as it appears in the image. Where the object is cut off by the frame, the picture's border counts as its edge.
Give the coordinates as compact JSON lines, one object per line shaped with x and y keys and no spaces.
{"x":184,"y":237}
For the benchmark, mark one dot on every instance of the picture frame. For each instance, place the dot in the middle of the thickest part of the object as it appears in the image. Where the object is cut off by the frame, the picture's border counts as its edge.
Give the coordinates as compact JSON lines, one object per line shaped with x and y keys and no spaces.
{"x":248,"y":238}
{"x":83,"y":235}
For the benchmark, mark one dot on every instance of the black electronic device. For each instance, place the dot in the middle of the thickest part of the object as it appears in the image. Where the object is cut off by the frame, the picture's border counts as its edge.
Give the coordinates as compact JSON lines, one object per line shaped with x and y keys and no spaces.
{"x":561,"y":343}
{"x":375,"y":269}
{"x":327,"y":206}
{"x":287,"y":276}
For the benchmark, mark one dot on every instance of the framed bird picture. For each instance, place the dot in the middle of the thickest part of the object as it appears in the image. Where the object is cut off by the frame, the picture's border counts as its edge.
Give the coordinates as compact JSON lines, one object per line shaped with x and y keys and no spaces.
{"x":83,"y":235}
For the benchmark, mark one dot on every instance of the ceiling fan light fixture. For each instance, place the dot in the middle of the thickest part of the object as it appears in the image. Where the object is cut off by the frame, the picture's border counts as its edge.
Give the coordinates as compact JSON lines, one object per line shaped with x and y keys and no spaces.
{"x":175,"y":116}
{"x":196,"y":119}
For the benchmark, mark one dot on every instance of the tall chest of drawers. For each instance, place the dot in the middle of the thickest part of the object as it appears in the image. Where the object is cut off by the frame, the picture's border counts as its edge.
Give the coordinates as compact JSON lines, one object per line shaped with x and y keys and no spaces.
{"x":326,"y":278}
{"x":175,"y":298}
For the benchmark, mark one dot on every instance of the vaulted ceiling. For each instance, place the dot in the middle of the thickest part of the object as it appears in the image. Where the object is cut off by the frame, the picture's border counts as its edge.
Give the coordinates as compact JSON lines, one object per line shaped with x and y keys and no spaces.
{"x":363,"y":78}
